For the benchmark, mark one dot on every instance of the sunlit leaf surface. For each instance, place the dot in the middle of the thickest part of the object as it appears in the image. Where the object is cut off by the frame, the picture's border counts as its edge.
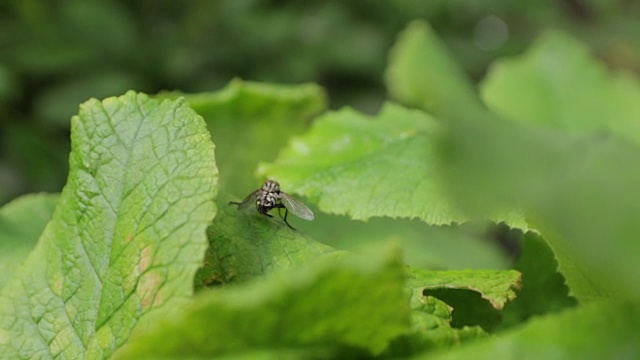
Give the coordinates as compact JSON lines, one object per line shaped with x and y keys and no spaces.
{"x":127,"y":235}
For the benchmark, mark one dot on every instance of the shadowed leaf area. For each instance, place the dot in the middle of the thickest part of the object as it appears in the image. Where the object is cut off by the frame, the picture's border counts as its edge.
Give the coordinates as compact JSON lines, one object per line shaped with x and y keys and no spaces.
{"x":243,"y":245}
{"x":21,"y":223}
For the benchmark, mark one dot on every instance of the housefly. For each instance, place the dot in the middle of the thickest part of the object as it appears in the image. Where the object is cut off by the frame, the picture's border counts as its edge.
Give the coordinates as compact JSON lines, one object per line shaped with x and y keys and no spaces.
{"x":270,"y":197}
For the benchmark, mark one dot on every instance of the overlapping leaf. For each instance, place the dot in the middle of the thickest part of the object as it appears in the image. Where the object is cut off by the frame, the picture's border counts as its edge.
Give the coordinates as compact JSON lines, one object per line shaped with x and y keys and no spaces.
{"x":355,"y":302}
{"x":580,"y":190}
{"x":127,"y":234}
{"x":431,"y":328}
{"x":558,"y":84}
{"x":598,"y":331}
{"x":495,"y":286}
{"x":250,"y":122}
{"x":452,"y":307}
{"x":474,"y":296}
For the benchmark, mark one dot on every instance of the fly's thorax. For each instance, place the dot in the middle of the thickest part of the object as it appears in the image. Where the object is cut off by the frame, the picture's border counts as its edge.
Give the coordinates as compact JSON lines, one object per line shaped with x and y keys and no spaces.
{"x":267,"y":200}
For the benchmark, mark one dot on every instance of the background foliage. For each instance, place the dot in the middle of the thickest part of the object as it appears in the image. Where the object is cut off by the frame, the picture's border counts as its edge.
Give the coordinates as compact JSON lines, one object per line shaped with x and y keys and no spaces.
{"x":57,"y":54}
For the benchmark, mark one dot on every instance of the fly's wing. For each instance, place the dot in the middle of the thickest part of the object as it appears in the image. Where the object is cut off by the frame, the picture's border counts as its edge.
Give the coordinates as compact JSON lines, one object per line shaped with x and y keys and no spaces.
{"x":248,"y":201}
{"x":296,"y":207}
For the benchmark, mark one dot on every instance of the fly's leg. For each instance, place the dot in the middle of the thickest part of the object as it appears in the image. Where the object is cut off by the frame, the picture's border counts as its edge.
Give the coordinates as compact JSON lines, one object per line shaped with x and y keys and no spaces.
{"x":286,"y":212}
{"x":234,"y":203}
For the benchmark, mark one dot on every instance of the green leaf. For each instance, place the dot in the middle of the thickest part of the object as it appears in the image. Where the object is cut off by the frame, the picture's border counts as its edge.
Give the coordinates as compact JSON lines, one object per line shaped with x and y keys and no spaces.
{"x":21,"y":223}
{"x":243,"y":245}
{"x":369,"y":167}
{"x":126,"y":237}
{"x":452,"y":307}
{"x":562,"y":86}
{"x":442,"y":89}
{"x":363,"y":167}
{"x":431,"y":329}
{"x":251,"y":121}
{"x":475,"y":296}
{"x":495,"y":286}
{"x":580,"y":191}
{"x":596,"y":331}
{"x":356,"y":302}
{"x":432,"y":323}
{"x":558,"y":84}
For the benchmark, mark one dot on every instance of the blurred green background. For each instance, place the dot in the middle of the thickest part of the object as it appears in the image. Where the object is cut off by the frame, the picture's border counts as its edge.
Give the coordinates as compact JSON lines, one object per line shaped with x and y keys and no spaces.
{"x":56,"y":54}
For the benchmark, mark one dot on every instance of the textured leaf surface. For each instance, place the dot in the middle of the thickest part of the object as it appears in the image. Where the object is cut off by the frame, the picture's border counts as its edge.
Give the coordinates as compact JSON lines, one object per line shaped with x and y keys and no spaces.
{"x":357,"y":302}
{"x":21,"y":223}
{"x":580,"y":191}
{"x":495,"y":286}
{"x":431,"y":327}
{"x":452,"y":307}
{"x":126,"y":237}
{"x":243,"y":245}
{"x":558,"y":84}
{"x":474,"y":297}
{"x":250,"y":122}
{"x":597,"y":331}
{"x":364,"y":167}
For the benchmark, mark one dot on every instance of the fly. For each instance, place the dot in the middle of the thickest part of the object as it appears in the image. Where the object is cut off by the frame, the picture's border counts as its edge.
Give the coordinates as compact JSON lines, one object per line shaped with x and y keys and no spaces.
{"x":270,"y":197}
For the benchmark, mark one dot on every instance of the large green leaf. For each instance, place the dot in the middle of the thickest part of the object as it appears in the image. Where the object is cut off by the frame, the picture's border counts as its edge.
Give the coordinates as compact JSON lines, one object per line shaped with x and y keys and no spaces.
{"x":580,"y":191}
{"x":558,"y":84}
{"x":250,"y":122}
{"x":362,"y":167}
{"x":21,"y":223}
{"x":357,"y":302}
{"x":370,"y":167}
{"x":126,"y":237}
{"x":597,"y":331}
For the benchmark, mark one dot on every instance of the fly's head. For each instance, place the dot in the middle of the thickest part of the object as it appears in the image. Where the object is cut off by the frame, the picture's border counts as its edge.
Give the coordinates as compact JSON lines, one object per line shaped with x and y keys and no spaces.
{"x":271,"y":186}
